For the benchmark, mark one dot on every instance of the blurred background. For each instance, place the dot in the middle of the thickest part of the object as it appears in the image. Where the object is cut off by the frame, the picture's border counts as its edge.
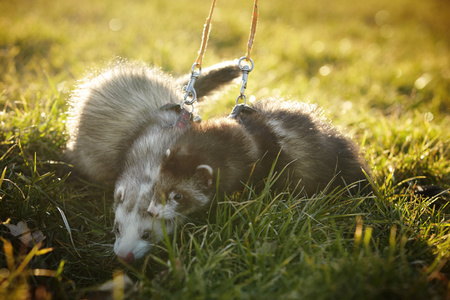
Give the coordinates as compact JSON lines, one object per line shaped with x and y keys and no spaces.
{"x":336,"y":53}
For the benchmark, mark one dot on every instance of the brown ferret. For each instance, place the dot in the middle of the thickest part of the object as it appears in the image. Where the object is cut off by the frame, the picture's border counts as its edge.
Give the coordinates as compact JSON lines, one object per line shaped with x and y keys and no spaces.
{"x":303,"y":148}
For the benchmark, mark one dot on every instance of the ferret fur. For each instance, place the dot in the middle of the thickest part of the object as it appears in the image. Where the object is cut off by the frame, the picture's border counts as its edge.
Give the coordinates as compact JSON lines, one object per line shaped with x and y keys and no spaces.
{"x":118,"y":135}
{"x":308,"y":152}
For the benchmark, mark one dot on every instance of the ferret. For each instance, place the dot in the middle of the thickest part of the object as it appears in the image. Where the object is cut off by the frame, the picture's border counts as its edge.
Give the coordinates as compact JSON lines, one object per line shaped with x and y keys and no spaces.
{"x":118,"y":134}
{"x":221,"y":155}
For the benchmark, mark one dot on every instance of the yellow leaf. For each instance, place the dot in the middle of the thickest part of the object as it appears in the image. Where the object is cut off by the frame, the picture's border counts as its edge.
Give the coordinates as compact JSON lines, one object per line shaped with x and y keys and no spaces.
{"x":8,"y":249}
{"x":2,"y":177}
{"x":44,"y":251}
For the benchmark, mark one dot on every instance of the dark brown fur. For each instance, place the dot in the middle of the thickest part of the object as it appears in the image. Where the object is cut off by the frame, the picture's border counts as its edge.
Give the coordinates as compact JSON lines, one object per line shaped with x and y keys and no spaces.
{"x":305,"y":150}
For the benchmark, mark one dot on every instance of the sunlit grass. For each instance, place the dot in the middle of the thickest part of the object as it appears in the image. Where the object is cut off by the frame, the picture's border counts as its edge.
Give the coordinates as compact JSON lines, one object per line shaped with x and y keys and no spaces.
{"x":380,"y":69}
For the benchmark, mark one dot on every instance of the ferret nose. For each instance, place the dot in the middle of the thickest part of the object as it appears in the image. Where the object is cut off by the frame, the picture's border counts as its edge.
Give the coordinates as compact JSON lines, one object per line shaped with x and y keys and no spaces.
{"x":153,"y":211}
{"x":129,"y":259}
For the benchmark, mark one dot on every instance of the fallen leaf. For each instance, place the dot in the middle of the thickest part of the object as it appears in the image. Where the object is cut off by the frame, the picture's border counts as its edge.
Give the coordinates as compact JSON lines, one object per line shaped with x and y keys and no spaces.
{"x":22,"y":231}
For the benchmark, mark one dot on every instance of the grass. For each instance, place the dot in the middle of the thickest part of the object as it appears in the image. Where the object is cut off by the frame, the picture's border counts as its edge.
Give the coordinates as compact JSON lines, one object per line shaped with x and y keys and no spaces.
{"x":380,"y":69}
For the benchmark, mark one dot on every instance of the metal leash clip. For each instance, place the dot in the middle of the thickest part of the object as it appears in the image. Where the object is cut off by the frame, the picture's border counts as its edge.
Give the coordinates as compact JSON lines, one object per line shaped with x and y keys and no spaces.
{"x":245,"y":70}
{"x":191,"y":96}
{"x":243,"y":107}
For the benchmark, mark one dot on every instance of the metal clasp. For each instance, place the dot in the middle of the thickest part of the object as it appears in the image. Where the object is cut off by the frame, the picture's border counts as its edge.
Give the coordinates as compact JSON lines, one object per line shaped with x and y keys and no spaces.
{"x":245,"y":70}
{"x":191,"y":96}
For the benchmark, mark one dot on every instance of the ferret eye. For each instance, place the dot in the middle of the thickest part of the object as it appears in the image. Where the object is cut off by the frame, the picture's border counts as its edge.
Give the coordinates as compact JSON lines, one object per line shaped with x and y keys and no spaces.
{"x":146,"y":236}
{"x":177,"y":197}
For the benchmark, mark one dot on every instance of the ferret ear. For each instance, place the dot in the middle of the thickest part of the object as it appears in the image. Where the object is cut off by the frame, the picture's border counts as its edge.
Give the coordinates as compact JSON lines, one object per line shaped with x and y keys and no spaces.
{"x":205,"y":174}
{"x":118,"y":195}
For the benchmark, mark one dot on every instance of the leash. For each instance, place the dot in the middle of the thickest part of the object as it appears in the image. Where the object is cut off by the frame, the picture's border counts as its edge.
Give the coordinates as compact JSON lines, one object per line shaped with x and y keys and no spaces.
{"x":245,"y":64}
{"x":191,"y":96}
{"x":246,"y":68}
{"x":252,"y":30}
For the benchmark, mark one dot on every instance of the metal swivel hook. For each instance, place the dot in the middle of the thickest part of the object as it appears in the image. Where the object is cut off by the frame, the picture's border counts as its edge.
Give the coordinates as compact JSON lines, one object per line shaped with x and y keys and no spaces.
{"x":245,"y":70}
{"x":191,"y":96}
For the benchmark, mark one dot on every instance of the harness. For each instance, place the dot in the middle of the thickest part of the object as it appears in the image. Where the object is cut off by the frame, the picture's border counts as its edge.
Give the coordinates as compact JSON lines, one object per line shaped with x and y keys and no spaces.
{"x":184,"y":117}
{"x":238,"y":110}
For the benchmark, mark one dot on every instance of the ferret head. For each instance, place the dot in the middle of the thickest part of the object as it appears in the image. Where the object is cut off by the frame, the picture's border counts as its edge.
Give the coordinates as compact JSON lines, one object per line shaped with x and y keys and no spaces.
{"x":184,"y":186}
{"x":135,"y":229}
